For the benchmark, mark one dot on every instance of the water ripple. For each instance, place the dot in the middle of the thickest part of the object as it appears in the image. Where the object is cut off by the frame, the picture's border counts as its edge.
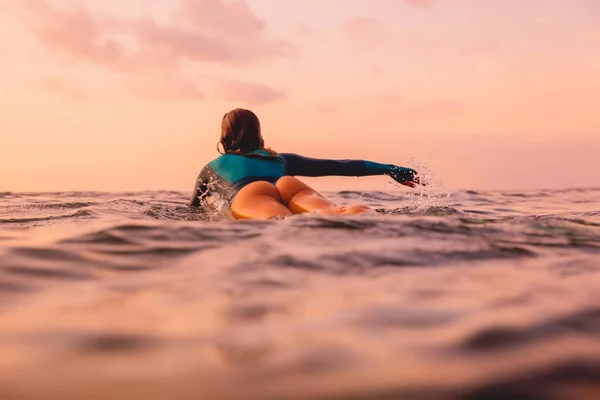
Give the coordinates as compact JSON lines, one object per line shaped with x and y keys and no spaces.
{"x":477,"y":295}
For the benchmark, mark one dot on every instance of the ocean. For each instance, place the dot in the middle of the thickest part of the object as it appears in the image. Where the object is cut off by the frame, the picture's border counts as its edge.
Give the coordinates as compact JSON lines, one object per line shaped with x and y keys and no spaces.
{"x":468,"y":295}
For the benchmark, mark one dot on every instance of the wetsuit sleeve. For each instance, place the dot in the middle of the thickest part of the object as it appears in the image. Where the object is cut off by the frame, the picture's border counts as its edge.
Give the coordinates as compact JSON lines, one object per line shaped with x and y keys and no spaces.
{"x":200,"y":189}
{"x":304,"y":166}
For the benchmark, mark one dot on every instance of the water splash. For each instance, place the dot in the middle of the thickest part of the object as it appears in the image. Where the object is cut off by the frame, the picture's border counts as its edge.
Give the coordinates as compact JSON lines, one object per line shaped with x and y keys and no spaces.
{"x":423,"y":197}
{"x":214,"y":205}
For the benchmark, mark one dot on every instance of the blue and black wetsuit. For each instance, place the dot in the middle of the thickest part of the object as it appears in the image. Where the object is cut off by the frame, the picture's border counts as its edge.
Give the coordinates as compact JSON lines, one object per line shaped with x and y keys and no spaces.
{"x":229,"y":173}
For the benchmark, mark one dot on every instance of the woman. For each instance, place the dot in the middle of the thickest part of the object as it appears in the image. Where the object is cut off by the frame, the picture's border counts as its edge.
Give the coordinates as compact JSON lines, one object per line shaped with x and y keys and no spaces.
{"x":258,"y":183}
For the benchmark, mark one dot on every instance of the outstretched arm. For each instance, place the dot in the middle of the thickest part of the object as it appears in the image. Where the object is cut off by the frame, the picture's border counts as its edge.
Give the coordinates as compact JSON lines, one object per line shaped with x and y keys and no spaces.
{"x":304,"y":166}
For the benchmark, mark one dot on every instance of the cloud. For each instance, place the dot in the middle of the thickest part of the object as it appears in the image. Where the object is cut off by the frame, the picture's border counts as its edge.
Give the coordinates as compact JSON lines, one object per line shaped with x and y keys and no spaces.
{"x":203,"y":31}
{"x":75,"y":33}
{"x":214,"y":31}
{"x":251,"y":93}
{"x":207,"y":31}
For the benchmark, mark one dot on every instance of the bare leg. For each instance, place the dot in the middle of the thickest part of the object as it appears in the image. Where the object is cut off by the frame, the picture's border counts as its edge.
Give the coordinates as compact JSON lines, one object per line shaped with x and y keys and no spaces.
{"x":301,"y":198}
{"x":258,"y":200}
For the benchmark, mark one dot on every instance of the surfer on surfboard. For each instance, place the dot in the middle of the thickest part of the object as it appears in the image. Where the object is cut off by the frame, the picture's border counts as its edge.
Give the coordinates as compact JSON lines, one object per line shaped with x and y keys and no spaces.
{"x":259,"y":183}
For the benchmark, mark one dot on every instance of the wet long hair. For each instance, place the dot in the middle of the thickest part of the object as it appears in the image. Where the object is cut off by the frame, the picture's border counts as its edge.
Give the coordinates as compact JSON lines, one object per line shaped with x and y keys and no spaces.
{"x":240,"y":133}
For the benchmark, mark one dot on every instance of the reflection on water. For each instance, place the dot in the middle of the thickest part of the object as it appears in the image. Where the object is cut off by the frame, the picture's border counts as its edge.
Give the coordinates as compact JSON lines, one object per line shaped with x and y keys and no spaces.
{"x":479,"y":295}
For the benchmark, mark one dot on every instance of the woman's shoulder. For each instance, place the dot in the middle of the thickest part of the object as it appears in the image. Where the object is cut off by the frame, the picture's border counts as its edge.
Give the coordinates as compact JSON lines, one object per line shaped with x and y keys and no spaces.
{"x":223,"y":158}
{"x":228,"y":158}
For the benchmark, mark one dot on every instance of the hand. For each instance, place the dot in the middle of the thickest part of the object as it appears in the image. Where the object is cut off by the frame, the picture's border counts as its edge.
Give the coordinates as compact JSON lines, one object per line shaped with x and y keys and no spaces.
{"x":404,"y":176}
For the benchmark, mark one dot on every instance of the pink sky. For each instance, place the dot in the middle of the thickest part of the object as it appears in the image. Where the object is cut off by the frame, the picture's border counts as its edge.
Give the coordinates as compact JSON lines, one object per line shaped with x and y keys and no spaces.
{"x":128,"y":95}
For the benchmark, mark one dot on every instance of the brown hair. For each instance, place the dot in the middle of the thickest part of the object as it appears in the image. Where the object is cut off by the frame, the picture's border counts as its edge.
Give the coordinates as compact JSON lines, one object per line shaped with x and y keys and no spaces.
{"x":240,"y":133}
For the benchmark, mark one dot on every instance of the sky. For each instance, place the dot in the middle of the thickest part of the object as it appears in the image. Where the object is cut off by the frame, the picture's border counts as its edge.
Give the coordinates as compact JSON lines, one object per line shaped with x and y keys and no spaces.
{"x":112,"y":95}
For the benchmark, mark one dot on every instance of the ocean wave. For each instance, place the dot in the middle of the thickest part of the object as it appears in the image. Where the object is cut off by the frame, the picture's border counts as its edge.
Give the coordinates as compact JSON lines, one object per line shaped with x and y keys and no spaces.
{"x":81,"y":214}
{"x":474,"y":296}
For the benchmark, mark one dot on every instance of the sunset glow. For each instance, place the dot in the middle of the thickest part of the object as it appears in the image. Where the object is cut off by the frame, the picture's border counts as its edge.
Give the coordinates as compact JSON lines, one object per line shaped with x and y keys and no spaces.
{"x":114,"y":95}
